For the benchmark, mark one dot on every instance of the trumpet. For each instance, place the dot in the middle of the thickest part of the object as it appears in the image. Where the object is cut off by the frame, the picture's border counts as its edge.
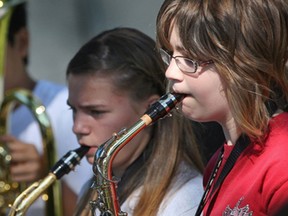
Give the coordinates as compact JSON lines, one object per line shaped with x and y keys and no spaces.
{"x":105,"y":184}
{"x":62,"y":167}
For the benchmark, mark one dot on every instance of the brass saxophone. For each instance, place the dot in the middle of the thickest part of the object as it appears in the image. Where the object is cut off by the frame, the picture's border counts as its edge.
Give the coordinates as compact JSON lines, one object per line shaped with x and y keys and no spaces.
{"x":62,"y":167}
{"x":104,"y":184}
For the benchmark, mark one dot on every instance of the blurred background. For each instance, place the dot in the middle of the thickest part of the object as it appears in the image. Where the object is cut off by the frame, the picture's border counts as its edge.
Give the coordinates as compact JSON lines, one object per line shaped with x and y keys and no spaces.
{"x":58,"y":28}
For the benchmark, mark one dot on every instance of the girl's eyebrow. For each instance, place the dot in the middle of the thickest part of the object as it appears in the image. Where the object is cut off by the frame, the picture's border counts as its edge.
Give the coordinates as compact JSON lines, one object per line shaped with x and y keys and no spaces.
{"x":92,"y":106}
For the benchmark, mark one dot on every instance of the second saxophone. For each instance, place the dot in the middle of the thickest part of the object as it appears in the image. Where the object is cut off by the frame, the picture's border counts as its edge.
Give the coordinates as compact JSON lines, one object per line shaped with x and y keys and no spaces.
{"x":107,"y":201}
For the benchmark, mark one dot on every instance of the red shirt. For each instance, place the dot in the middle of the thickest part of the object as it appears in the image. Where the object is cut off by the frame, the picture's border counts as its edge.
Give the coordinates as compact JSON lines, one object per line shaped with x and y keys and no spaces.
{"x":258,"y":182}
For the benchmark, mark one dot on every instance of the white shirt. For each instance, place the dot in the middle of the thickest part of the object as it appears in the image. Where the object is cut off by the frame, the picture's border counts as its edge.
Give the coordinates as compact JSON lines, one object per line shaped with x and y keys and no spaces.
{"x":181,"y":200}
{"x":54,"y":97}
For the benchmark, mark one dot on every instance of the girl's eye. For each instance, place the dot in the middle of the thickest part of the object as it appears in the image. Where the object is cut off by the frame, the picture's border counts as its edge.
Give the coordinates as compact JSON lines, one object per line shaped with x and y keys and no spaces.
{"x":189,"y":62}
{"x":97,"y":112}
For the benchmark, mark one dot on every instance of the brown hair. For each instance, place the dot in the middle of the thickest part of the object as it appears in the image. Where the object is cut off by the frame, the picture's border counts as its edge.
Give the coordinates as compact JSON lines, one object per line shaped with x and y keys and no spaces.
{"x":129,"y":58}
{"x":247,"y":40}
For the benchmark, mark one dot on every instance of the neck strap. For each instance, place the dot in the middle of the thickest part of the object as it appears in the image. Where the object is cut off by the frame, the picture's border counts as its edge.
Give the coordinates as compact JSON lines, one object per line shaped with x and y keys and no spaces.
{"x":242,"y":142}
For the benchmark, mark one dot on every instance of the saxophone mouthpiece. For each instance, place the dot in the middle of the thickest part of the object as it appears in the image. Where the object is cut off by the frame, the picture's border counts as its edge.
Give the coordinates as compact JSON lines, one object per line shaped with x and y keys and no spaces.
{"x":81,"y":151}
{"x":164,"y":105}
{"x":69,"y":161}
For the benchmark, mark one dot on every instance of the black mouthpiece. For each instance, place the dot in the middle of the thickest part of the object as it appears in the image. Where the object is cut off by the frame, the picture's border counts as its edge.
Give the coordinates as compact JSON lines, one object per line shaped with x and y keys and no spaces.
{"x":164,"y":105}
{"x":82,"y":151}
{"x":69,"y":161}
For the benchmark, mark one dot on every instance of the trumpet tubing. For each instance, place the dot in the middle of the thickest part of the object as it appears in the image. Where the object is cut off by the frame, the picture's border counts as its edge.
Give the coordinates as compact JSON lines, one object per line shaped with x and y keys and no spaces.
{"x":107,"y":200}
{"x":12,"y":189}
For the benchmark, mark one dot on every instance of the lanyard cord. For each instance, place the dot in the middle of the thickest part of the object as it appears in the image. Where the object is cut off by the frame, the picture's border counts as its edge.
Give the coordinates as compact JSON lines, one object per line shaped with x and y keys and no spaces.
{"x":208,"y":187}
{"x":240,"y":145}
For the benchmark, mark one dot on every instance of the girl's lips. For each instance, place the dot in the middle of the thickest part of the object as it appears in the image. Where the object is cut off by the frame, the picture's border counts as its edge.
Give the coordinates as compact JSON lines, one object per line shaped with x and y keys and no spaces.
{"x":92,"y":151}
{"x":178,"y":92}
{"x":183,"y":95}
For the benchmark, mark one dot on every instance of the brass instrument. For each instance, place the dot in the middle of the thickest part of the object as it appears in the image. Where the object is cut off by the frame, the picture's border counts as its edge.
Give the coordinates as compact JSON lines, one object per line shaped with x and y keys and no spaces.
{"x":5,"y":14}
{"x":5,"y":17}
{"x":105,"y":185}
{"x":63,"y":166}
{"x":9,"y":189}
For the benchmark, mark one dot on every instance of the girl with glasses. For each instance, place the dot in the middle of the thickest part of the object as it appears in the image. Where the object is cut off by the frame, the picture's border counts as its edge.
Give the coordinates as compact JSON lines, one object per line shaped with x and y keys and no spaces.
{"x":228,"y":58}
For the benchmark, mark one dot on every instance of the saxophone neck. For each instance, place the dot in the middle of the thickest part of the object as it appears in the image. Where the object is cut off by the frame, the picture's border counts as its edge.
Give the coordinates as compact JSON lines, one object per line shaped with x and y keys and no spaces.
{"x":63,"y":166}
{"x":29,"y":195}
{"x":105,"y":184}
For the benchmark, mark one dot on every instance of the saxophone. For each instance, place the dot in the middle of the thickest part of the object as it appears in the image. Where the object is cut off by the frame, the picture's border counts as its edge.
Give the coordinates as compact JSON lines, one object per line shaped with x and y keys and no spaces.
{"x":105,"y":184}
{"x":63,"y":166}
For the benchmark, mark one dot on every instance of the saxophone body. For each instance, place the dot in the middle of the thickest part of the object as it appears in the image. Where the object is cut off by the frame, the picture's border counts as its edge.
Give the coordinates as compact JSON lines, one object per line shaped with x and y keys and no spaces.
{"x":105,"y":184}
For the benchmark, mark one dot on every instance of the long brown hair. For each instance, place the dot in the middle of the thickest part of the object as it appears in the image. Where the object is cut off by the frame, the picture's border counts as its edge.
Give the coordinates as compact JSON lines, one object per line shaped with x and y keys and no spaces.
{"x":247,"y":40}
{"x":128,"y":57}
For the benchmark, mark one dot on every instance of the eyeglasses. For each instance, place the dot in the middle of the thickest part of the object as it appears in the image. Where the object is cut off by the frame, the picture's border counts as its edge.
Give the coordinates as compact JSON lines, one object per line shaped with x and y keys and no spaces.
{"x":186,"y":65}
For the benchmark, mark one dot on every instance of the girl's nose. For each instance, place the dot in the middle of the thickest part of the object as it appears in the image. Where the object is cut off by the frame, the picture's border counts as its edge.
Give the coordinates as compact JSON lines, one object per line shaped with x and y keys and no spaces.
{"x":80,"y":125}
{"x":173,"y":72}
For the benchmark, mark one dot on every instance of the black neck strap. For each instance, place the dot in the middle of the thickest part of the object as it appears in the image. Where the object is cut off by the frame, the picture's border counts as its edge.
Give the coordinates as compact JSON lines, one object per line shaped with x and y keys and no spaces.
{"x":242,"y":142}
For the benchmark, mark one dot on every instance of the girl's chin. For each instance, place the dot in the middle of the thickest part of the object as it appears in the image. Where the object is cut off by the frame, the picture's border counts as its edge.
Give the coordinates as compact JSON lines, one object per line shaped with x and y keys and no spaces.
{"x":186,"y":108}
{"x":90,"y":159}
{"x":190,"y":113}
